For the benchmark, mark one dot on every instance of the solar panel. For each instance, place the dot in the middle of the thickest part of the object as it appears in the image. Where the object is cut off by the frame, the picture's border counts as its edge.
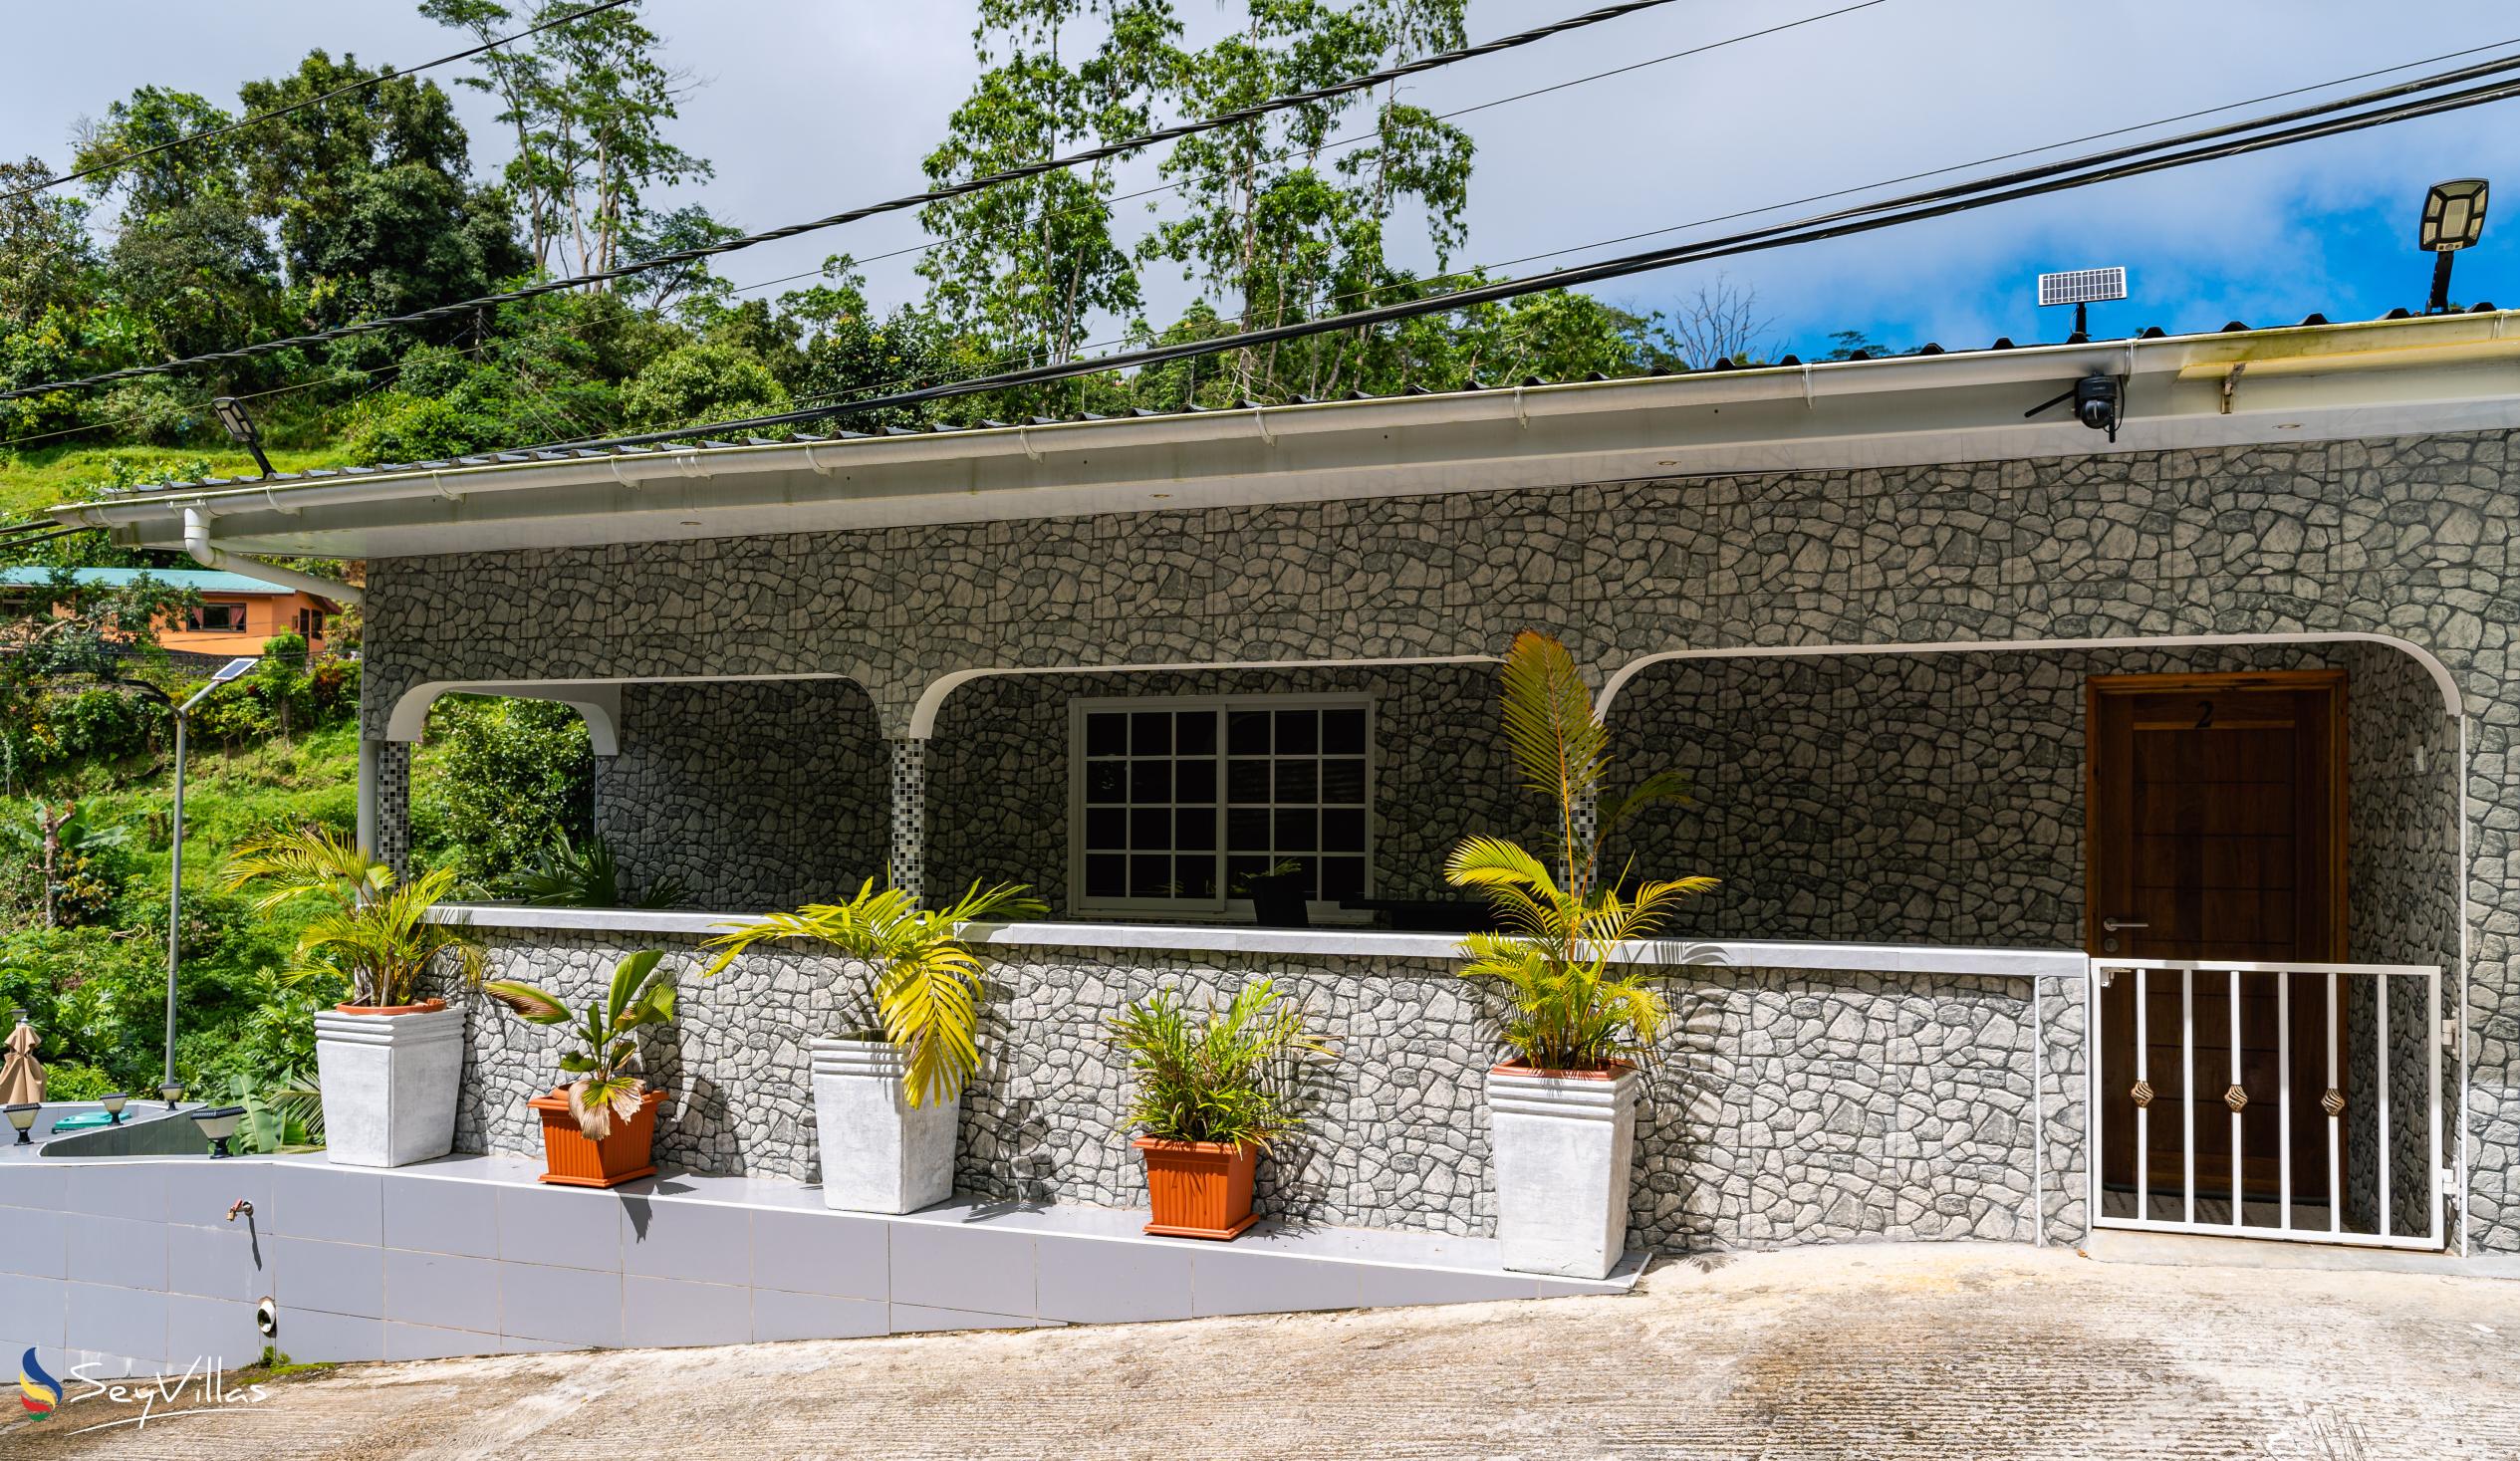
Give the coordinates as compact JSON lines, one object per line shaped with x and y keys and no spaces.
{"x":2082,"y":286}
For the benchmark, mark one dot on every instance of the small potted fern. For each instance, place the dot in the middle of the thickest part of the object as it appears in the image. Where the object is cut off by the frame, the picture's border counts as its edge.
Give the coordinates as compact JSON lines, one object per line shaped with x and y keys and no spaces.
{"x":599,"y":1130}
{"x":1212,"y":1094}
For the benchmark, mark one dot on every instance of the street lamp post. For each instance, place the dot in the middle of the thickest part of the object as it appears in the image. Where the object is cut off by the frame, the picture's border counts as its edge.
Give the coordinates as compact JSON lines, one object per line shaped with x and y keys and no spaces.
{"x":174,"y":878}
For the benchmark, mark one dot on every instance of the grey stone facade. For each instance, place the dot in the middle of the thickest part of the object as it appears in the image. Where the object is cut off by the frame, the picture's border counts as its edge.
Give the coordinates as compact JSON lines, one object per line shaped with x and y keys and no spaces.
{"x":1789,"y":1107}
{"x":2406,"y":538}
{"x":754,"y":793}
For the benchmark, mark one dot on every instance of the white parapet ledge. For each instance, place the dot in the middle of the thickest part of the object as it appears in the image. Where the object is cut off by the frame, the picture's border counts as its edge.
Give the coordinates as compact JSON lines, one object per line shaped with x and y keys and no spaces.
{"x":1228,"y":939}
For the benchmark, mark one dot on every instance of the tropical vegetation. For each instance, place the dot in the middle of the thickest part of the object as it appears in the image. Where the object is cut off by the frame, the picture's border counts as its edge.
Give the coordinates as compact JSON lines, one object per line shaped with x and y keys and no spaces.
{"x":372,"y":933}
{"x":1570,"y":1003}
{"x":916,"y":982}
{"x":1231,"y":1076}
{"x":603,"y":1053}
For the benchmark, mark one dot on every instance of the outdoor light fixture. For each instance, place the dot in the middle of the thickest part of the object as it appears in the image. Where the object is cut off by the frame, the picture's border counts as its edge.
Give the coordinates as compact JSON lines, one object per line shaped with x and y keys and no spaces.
{"x":2453,"y":219}
{"x":22,"y":1117}
{"x":241,"y":429}
{"x":175,"y":861}
{"x":2098,"y":403}
{"x":219,"y":1123}
{"x":114,"y":1101}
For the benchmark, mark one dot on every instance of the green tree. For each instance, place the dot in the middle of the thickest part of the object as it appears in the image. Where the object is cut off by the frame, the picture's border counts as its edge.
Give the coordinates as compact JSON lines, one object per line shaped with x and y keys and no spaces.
{"x":507,"y":777}
{"x":699,"y":383}
{"x":1023,"y":265}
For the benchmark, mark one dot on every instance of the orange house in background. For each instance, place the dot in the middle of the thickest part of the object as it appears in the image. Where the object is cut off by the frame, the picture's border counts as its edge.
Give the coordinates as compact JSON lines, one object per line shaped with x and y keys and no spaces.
{"x":235,"y":615}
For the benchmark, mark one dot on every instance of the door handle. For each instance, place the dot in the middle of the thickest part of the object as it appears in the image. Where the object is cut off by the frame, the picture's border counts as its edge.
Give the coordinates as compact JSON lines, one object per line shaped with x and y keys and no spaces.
{"x":2113,"y":925}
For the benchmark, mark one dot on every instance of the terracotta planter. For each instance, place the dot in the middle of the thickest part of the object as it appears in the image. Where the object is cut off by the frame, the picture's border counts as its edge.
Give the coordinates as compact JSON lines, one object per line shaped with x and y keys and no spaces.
{"x":621,"y":1156}
{"x":1201,"y":1189}
{"x":424,"y":1007}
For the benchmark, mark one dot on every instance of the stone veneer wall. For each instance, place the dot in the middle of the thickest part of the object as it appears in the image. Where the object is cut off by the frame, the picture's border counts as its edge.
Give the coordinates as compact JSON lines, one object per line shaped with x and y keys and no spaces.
{"x":998,"y":769}
{"x":2405,"y":537}
{"x":755,"y":794}
{"x":1940,"y":798}
{"x":1791,"y":1108}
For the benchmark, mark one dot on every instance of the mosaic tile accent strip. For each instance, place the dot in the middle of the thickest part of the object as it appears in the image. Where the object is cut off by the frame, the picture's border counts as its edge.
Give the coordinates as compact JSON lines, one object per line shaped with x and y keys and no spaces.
{"x":909,"y":817}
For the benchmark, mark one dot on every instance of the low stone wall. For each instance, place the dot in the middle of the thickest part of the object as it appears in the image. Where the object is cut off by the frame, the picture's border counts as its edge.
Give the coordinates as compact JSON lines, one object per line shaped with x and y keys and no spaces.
{"x":1791,"y":1106}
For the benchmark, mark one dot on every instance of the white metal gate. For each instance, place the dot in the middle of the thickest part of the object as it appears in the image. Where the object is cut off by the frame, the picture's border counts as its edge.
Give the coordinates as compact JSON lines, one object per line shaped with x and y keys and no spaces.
{"x":2383,"y":1033}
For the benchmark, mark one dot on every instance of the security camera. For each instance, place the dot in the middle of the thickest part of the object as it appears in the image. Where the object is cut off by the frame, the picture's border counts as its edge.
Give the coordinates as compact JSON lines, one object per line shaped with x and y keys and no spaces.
{"x":2095,"y":400}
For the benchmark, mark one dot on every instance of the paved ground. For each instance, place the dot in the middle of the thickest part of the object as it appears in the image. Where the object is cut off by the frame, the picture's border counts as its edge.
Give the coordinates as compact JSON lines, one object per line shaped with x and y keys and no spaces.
{"x":1872,"y":1353}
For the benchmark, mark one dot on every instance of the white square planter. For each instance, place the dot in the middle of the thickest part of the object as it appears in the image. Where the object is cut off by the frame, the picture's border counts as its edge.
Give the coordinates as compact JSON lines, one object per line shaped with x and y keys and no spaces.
{"x":880,"y":1153}
{"x":389,"y":1083}
{"x":1562,"y":1147}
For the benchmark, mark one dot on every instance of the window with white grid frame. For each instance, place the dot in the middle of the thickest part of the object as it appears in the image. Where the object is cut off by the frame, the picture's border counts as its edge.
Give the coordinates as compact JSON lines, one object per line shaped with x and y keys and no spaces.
{"x":1177,"y":801}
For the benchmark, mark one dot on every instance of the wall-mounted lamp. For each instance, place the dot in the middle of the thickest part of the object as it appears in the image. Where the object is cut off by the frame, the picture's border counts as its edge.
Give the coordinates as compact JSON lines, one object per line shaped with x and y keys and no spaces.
{"x":241,"y":429}
{"x":114,"y":1101}
{"x":219,"y":1123}
{"x":172,"y":1092}
{"x":21,"y":1115}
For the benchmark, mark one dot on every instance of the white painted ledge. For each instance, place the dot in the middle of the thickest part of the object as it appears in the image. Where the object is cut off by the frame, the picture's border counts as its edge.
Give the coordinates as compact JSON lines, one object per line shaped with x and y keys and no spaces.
{"x":1884,"y":958}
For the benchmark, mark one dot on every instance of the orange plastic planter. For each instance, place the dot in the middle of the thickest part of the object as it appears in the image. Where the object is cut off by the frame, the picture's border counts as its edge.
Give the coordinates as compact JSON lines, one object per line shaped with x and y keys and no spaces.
{"x":621,"y":1156}
{"x":1201,"y":1189}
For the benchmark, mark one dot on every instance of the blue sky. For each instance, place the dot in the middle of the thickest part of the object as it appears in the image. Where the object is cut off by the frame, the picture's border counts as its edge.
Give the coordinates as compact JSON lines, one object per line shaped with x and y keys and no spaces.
{"x":808,"y":106}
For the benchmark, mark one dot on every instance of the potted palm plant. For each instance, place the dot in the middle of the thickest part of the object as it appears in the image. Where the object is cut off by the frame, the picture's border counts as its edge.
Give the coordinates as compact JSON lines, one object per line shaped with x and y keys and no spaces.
{"x":1211,"y":1096}
{"x":888,"y":1087}
{"x":1579,"y":1023}
{"x":389,"y":1055}
{"x":599,"y":1130}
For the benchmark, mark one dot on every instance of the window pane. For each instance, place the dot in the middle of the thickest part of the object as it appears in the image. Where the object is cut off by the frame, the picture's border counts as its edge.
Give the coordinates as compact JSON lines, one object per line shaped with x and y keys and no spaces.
{"x":1342,"y":782}
{"x":1107,"y":781}
{"x":1343,"y":732}
{"x":1247,"y":829}
{"x":1194,"y":781}
{"x":1299,"y":732}
{"x":1194,"y":733}
{"x":1151,"y":733}
{"x":1246,"y":781}
{"x":1295,"y":830}
{"x":1195,"y":877}
{"x":1343,"y":832}
{"x":1238,"y":871}
{"x":1106,"y":827}
{"x":1150,"y":781}
{"x":1194,"y":830}
{"x":1149,"y":877}
{"x":1298,"y":780}
{"x":1105,"y":733}
{"x":1342,"y":879}
{"x":1106,"y":877}
{"x":1308,"y":875}
{"x":1150,"y":830}
{"x":1247,"y":732}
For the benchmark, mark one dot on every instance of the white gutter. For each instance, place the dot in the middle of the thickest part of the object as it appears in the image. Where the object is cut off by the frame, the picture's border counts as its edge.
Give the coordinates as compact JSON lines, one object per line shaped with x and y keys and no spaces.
{"x":2336,"y":348}
{"x":196,"y":541}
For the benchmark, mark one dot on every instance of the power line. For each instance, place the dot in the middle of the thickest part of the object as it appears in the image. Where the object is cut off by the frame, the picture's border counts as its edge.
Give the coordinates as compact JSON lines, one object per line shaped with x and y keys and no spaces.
{"x":2209,"y":144}
{"x":1237,"y":117}
{"x":1355,"y":139}
{"x":259,"y":117}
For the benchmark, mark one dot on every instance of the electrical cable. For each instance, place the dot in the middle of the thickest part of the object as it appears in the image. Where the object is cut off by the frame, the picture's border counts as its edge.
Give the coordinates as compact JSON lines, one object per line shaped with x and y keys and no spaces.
{"x":2209,"y":144}
{"x":259,"y":117}
{"x":1237,"y":117}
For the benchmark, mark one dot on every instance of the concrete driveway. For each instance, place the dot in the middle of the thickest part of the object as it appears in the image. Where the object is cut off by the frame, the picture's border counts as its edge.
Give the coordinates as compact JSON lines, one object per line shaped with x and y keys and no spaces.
{"x":1864,"y":1352}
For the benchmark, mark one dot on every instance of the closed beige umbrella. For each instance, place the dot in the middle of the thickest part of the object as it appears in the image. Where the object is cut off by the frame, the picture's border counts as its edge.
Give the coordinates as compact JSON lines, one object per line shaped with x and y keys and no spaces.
{"x":21,"y":1079}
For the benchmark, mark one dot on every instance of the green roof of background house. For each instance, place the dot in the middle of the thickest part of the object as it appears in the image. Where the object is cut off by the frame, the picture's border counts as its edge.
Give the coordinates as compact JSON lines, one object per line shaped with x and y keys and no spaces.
{"x":201,"y":580}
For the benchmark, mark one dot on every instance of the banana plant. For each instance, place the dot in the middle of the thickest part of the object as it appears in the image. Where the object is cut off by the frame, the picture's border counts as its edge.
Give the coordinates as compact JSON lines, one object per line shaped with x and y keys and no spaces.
{"x":606,"y":1050}
{"x":923,"y":982}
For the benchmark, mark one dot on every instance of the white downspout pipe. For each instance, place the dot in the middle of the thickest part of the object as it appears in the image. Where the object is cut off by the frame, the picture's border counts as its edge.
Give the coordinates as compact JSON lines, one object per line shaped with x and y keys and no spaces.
{"x":196,"y":541}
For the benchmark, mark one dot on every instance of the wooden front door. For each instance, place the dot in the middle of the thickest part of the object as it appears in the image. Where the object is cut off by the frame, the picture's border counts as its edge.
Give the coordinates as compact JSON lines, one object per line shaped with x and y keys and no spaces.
{"x":2216,"y":831}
